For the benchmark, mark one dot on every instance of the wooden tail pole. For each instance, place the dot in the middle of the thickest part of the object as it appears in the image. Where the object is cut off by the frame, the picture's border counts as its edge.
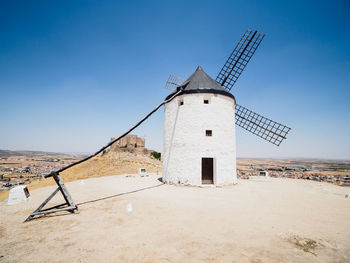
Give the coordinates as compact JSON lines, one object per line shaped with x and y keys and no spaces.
{"x":69,"y":205}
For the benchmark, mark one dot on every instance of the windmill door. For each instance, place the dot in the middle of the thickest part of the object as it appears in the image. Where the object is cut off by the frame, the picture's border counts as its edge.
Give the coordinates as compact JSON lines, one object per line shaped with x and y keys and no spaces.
{"x":207,"y":170}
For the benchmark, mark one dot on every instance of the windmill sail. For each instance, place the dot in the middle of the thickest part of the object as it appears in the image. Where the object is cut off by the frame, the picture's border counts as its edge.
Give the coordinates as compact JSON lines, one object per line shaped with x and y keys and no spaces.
{"x":173,"y":82}
{"x":265,"y":128}
{"x":239,"y":58}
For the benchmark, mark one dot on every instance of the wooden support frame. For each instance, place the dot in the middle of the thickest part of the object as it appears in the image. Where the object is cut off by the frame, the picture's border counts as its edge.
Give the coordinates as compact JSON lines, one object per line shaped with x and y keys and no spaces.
{"x":69,"y":205}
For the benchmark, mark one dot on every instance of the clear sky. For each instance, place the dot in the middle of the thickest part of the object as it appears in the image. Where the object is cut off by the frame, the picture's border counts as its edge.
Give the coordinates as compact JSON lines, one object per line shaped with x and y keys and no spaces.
{"x":75,"y":73}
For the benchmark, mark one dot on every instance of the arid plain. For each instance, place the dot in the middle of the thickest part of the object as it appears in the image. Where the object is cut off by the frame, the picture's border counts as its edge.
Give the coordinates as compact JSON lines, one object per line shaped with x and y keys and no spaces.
{"x":257,"y":220}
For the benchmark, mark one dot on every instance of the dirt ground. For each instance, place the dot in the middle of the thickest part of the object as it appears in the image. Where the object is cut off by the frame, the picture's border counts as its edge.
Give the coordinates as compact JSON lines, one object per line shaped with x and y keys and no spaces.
{"x":257,"y":220}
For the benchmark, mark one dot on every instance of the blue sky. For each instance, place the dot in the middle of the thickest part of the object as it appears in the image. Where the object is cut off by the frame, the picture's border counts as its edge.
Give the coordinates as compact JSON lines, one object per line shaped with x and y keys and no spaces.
{"x":75,"y":73}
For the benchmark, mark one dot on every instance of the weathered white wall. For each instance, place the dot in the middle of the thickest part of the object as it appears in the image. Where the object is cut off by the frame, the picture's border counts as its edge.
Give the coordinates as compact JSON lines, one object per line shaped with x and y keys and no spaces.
{"x":185,"y":143}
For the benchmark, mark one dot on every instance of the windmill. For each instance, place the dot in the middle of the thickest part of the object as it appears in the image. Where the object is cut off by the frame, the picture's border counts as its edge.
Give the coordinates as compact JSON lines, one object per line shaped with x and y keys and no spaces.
{"x":199,"y":141}
{"x":199,"y":145}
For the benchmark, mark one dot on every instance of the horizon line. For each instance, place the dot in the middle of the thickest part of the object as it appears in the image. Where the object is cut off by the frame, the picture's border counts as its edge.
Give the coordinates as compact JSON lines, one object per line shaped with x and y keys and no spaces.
{"x":238,"y":157}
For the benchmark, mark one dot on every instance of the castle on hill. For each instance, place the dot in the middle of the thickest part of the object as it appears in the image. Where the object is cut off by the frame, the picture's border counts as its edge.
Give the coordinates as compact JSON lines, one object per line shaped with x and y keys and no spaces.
{"x":130,"y":143}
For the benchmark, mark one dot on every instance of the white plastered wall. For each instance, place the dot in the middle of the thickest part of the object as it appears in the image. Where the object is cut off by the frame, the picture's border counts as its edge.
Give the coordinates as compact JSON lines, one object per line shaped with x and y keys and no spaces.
{"x":185,"y":142}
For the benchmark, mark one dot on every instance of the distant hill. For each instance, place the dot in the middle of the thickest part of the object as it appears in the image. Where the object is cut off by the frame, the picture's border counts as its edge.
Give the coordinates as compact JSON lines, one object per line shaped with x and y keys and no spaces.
{"x":8,"y":153}
{"x":113,"y":163}
{"x":110,"y":163}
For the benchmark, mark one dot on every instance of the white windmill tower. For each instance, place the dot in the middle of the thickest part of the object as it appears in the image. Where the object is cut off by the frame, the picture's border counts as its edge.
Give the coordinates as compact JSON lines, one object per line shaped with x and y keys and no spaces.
{"x":199,"y":145}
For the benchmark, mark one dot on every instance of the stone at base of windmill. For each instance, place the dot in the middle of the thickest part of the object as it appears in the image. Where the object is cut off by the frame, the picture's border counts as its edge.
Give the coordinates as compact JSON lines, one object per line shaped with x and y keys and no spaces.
{"x":18,"y":194}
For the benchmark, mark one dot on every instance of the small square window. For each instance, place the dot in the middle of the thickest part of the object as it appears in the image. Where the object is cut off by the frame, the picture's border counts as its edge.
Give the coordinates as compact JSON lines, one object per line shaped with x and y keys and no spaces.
{"x":181,"y":102}
{"x":206,"y":101}
{"x":208,"y":133}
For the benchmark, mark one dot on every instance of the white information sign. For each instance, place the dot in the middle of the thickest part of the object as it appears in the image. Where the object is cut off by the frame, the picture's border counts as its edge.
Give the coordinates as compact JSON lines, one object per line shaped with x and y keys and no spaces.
{"x":18,"y":194}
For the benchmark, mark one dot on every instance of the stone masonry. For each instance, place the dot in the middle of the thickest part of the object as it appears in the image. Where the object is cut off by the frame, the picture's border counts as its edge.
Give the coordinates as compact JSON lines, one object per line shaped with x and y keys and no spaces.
{"x":129,"y":142}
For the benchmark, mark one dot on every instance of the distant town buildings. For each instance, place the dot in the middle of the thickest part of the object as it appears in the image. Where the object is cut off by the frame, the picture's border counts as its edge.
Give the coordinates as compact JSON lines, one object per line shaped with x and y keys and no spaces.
{"x":338,"y":180}
{"x":34,"y":169}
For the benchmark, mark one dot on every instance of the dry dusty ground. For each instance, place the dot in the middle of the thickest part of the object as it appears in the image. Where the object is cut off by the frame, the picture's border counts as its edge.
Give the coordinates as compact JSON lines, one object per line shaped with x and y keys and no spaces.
{"x":258,"y":220}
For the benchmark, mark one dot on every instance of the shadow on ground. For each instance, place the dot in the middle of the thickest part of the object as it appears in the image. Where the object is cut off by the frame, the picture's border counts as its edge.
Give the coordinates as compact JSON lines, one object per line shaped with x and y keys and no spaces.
{"x":120,"y":194}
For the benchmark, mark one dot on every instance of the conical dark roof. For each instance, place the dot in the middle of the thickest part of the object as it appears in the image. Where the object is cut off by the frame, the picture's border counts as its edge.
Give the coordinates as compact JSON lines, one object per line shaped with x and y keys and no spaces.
{"x":201,"y":82}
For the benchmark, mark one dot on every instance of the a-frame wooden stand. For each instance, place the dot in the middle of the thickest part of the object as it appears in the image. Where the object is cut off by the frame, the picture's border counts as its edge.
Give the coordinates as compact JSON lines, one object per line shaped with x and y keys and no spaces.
{"x":67,"y":206}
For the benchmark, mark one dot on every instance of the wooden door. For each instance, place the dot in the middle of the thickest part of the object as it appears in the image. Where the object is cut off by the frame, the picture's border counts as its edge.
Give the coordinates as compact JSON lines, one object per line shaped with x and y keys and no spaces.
{"x":207,"y":170}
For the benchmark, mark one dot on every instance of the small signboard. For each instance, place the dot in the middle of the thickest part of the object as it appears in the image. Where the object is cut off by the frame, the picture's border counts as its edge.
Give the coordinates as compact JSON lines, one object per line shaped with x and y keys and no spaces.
{"x":142,"y":171}
{"x":263,"y":173}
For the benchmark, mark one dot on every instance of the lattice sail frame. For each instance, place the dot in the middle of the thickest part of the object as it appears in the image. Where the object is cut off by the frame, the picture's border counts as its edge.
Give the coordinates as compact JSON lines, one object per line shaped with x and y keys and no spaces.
{"x":239,"y":58}
{"x":257,"y":124}
{"x":173,"y":82}
{"x":265,"y":128}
